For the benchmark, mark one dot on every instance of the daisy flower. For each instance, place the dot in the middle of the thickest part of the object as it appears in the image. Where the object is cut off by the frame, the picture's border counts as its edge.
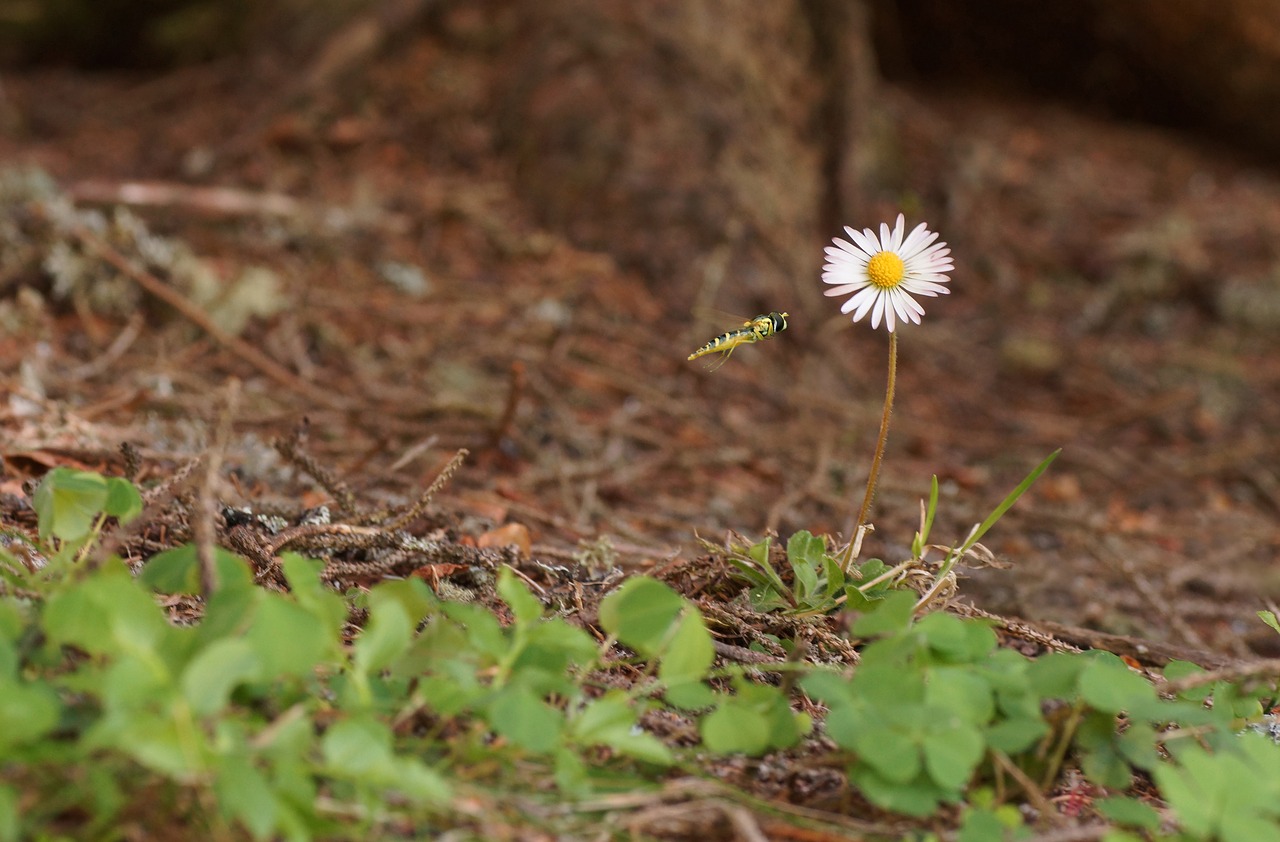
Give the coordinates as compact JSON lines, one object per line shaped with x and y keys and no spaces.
{"x":884,"y":273}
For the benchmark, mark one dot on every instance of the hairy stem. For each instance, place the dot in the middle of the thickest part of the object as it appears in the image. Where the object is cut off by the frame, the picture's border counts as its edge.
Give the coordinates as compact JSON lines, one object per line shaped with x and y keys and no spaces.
{"x":874,"y":474}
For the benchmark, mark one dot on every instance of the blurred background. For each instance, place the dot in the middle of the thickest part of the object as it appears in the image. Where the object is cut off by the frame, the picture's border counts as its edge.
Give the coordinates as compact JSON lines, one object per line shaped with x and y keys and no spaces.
{"x":428,"y":224}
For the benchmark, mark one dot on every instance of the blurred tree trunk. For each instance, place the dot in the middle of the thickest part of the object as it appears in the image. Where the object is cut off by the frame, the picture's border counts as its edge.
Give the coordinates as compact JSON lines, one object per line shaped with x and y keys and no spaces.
{"x":696,"y":140}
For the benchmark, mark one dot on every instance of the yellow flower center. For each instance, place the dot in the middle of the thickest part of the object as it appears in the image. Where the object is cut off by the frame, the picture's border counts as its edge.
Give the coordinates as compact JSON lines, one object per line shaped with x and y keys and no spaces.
{"x":885,"y":270}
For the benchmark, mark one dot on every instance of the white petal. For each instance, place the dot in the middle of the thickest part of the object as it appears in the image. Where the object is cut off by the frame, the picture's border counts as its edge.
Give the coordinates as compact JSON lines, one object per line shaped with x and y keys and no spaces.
{"x":897,"y":235}
{"x":878,"y":311}
{"x":862,"y":301}
{"x":836,"y":292}
{"x":866,"y":241}
{"x":917,"y":242}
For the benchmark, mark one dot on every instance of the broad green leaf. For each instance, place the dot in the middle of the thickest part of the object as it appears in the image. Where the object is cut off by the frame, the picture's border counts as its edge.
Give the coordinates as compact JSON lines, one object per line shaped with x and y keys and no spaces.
{"x":10,"y":817}
{"x":12,"y":622}
{"x":28,"y":711}
{"x":484,"y":635}
{"x":106,"y":612}
{"x":8,"y":658}
{"x":690,"y":695}
{"x":827,"y":686}
{"x":1056,"y":675}
{"x":123,"y":500}
{"x":217,"y":670}
{"x":156,"y":743}
{"x":981,"y":826}
{"x":413,"y":594}
{"x":1128,"y":811}
{"x":918,"y":797}
{"x":68,"y":503}
{"x":963,"y":691}
{"x":287,"y":639}
{"x":806,"y":553}
{"x":1101,"y":760}
{"x":524,"y":605}
{"x":611,"y":721}
{"x":640,"y":613}
{"x":952,"y":753}
{"x":1013,"y":736}
{"x":948,"y":637}
{"x":846,"y":721}
{"x":894,"y":755}
{"x":246,"y":794}
{"x":690,"y":653}
{"x":1108,"y":685}
{"x":385,"y":636}
{"x":1270,"y":619}
{"x":552,"y":646}
{"x":359,"y":746}
{"x":526,"y":720}
{"x":571,"y":774}
{"x":891,"y":614}
{"x":785,"y":727}
{"x":889,"y":686}
{"x":177,"y":570}
{"x":420,"y":782}
{"x":733,"y":728}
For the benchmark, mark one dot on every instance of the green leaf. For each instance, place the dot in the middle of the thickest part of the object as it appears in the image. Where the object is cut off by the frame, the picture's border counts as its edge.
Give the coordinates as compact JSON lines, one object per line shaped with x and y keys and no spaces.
{"x":526,"y":720}
{"x":918,"y":797}
{"x":1013,"y":736}
{"x":735,"y":728}
{"x":1128,"y":811}
{"x":28,"y":711}
{"x":123,"y":500}
{"x":156,"y":743}
{"x":524,"y":605}
{"x":287,"y":638}
{"x":952,"y":753}
{"x":552,"y":646}
{"x":420,"y":782}
{"x":245,"y":793}
{"x":611,"y":721}
{"x":891,"y":614}
{"x":1109,"y":685}
{"x":1270,"y":619}
{"x":640,"y":613}
{"x":954,"y":640}
{"x":690,"y":653}
{"x":177,"y":570}
{"x":807,"y":555}
{"x":1100,"y":761}
{"x":68,"y":503}
{"x":981,"y":825}
{"x":10,"y":817}
{"x":360,"y":746}
{"x":386,"y":635}
{"x":106,"y":612}
{"x":922,"y":537}
{"x":961,"y":690}
{"x":893,"y":753}
{"x":208,"y":680}
{"x":1007,"y":502}
{"x":1056,"y":675}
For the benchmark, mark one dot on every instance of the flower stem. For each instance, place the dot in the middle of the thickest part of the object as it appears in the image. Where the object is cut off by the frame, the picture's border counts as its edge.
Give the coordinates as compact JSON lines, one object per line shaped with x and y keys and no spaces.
{"x":879,"y":455}
{"x":884,"y":432}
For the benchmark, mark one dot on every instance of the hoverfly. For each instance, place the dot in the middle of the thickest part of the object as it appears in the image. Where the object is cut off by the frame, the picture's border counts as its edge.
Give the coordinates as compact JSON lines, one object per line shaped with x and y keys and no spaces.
{"x":753,"y":330}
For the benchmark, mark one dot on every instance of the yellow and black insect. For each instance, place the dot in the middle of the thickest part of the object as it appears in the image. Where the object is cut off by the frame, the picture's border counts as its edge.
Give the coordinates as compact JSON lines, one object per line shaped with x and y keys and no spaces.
{"x":761,"y":327}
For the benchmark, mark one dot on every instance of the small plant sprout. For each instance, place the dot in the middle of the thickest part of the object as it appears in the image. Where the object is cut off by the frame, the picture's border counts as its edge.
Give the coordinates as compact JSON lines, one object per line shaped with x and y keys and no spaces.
{"x":881,"y":275}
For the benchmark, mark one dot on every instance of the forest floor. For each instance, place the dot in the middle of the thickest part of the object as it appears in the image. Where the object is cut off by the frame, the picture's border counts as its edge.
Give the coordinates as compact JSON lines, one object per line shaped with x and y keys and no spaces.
{"x":1117,"y":295}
